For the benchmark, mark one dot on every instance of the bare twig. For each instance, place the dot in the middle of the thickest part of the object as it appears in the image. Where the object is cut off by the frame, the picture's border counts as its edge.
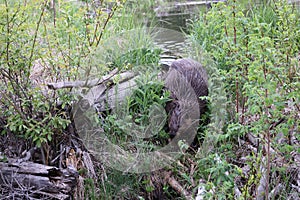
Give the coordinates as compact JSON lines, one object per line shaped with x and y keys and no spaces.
{"x":37,"y":30}
{"x":110,"y":15}
{"x":13,"y":104}
{"x":54,"y":13}
{"x":28,"y":155}
{"x":276,"y":191}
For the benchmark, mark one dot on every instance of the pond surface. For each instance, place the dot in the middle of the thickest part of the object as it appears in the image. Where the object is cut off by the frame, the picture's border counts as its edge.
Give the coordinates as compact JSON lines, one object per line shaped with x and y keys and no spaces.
{"x":174,"y":18}
{"x":175,"y":15}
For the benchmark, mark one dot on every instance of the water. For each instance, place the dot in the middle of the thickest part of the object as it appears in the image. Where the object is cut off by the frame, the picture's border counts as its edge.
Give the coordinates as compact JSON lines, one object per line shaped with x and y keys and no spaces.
{"x":174,"y":18}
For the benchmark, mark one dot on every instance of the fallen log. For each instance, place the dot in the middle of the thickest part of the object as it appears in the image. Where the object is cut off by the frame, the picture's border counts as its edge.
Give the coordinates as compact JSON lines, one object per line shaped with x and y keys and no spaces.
{"x":87,"y":83}
{"x":37,"y":180}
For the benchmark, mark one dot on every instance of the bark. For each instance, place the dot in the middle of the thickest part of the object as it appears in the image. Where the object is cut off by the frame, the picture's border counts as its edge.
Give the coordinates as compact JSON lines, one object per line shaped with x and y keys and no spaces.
{"x":39,"y":181}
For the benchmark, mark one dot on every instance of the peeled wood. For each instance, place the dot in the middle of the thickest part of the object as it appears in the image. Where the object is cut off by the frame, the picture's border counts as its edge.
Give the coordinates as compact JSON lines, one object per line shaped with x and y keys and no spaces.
{"x":41,"y":180}
{"x":122,"y":77}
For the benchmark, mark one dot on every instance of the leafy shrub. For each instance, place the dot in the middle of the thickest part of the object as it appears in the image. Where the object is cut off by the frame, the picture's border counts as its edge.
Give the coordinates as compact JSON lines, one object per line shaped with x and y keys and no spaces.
{"x":40,"y":43}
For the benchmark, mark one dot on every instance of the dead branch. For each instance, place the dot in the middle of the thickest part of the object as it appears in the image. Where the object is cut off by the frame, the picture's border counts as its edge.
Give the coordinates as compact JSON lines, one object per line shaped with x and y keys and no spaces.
{"x":176,"y":185}
{"x":86,"y":83}
{"x":39,"y":180}
{"x":261,"y":189}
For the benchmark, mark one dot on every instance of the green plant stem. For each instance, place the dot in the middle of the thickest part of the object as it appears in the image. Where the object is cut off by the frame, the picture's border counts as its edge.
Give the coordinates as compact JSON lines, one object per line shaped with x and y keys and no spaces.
{"x":36,"y":31}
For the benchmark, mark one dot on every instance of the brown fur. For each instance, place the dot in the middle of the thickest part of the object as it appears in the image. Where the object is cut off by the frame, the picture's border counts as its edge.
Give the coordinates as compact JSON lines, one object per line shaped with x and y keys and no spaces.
{"x":197,"y":77}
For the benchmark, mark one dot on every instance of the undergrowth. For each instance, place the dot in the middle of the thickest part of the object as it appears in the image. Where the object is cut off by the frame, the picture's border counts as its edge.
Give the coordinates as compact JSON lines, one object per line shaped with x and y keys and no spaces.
{"x":251,"y":53}
{"x":255,"y":49}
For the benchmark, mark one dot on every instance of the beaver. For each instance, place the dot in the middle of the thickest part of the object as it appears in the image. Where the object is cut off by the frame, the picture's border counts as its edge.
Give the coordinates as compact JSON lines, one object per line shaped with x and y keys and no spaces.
{"x":196,"y":76}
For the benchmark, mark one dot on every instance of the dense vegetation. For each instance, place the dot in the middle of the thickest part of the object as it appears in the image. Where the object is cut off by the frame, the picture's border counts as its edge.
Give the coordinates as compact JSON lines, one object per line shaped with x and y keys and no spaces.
{"x":256,"y":51}
{"x":248,"y":142}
